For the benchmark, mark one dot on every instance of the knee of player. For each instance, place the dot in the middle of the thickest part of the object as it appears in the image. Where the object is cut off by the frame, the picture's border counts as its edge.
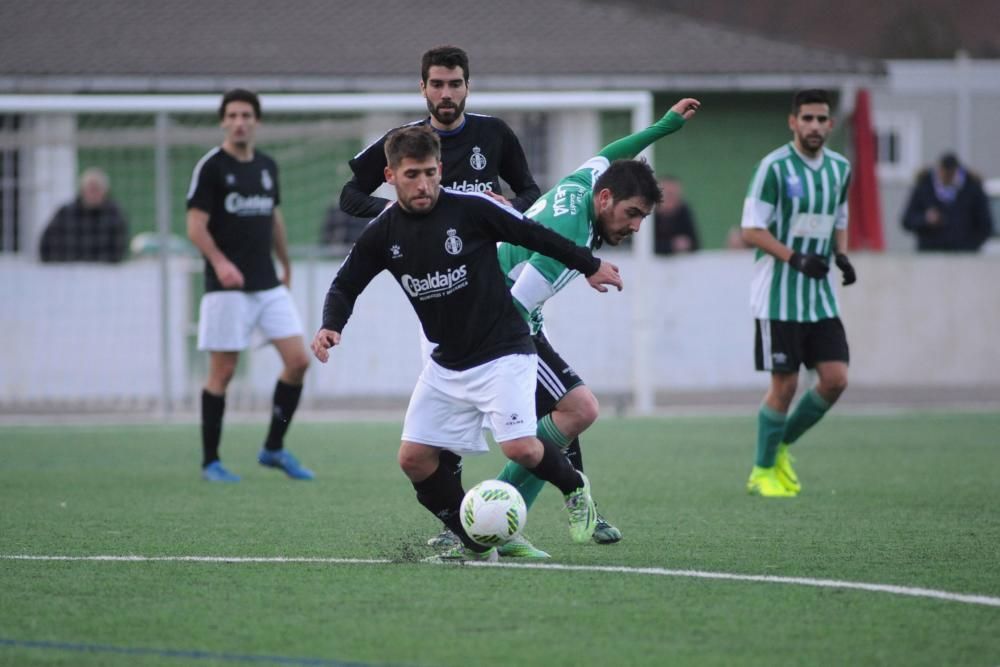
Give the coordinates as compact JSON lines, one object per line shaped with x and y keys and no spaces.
{"x":588,"y":410}
{"x":581,"y":406}
{"x":413,"y":466}
{"x":298,"y":366}
{"x":221,"y":373}
{"x":783,"y":386}
{"x":835,"y":383}
{"x":525,"y":451}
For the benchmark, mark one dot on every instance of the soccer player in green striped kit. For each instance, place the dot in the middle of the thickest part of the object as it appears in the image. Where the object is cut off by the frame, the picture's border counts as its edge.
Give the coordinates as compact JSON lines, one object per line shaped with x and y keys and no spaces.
{"x":795,"y":214}
{"x":604,"y":201}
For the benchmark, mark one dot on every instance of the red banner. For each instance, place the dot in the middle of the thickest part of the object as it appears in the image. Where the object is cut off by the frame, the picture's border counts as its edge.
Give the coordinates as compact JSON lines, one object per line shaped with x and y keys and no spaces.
{"x":865,"y":227}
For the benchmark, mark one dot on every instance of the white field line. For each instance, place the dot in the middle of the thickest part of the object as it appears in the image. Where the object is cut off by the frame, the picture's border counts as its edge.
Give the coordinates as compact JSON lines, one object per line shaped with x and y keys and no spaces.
{"x":653,"y":571}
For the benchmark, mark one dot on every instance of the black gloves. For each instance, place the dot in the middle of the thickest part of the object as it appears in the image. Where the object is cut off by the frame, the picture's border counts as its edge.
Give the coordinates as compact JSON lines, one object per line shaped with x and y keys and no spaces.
{"x":844,"y":264}
{"x":812,"y":265}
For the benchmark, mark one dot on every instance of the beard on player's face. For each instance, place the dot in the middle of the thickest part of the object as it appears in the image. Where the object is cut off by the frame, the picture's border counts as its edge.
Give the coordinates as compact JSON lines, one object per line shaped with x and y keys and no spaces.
{"x":446,"y":111}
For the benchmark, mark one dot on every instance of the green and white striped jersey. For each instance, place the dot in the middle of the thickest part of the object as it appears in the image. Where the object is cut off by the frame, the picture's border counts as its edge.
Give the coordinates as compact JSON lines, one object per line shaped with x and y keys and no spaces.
{"x":567,"y":209}
{"x":801,"y":202}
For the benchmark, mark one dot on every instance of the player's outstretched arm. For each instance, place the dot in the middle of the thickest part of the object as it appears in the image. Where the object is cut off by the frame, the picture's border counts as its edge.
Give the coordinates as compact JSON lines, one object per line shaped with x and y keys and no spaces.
{"x":322,"y":342}
{"x":628,"y":147}
{"x":607,"y":274}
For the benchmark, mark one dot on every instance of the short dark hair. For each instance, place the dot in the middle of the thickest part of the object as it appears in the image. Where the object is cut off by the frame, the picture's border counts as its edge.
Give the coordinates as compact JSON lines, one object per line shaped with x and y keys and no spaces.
{"x":810,"y":96}
{"x":949,"y":162}
{"x":444,"y":56}
{"x":630,"y":178}
{"x":418,"y":142}
{"x":240,"y":95}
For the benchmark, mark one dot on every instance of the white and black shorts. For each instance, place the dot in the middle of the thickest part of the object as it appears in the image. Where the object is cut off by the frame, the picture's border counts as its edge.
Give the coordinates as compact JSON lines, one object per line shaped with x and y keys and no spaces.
{"x":450,"y":409}
{"x":556,"y":378}
{"x":781,"y":347}
{"x":228,"y":318}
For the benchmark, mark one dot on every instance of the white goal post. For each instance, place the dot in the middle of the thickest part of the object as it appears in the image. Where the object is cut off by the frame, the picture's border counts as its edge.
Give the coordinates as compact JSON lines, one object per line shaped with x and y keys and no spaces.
{"x":638,"y":103}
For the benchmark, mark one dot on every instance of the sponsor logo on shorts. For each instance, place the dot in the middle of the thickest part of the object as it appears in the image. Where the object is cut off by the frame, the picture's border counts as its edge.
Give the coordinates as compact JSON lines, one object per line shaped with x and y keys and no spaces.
{"x":437,"y":284}
{"x":514,"y":420}
{"x":779,"y":357}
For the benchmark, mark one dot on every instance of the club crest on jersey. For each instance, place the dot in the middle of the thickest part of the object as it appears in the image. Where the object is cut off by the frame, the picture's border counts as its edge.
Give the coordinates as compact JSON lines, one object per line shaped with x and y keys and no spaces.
{"x":794,"y":185}
{"x":266,"y":180}
{"x":477,"y":159}
{"x":453,"y":244}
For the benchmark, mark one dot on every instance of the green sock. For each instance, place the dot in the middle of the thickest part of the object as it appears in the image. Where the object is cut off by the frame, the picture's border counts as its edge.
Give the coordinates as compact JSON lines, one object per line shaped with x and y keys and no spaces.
{"x":516,"y":475}
{"x":810,"y":410}
{"x":547,"y":430}
{"x":770,"y":428}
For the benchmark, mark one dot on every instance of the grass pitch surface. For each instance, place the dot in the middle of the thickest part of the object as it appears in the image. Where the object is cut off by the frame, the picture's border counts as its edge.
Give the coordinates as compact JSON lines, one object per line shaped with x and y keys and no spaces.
{"x":908,"y":501}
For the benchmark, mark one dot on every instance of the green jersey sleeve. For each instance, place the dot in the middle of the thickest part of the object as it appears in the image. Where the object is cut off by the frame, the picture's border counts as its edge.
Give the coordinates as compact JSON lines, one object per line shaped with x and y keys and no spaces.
{"x":628,"y":147}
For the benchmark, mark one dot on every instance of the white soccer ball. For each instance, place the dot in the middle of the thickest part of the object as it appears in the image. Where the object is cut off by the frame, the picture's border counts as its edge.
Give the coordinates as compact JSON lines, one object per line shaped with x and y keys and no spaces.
{"x":493,"y":512}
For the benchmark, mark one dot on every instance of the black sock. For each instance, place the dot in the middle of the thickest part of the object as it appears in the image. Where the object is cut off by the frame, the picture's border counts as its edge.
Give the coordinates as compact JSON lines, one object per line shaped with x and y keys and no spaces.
{"x":574,"y":454}
{"x":212,"y":409}
{"x":442,"y":494}
{"x":286,"y":399}
{"x":556,"y":469}
{"x":452,"y":463}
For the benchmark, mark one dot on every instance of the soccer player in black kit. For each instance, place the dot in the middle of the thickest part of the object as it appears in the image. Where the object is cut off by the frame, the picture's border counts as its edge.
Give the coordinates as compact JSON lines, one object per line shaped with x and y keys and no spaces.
{"x":477,"y":150}
{"x":440,"y":246}
{"x":234,"y":220}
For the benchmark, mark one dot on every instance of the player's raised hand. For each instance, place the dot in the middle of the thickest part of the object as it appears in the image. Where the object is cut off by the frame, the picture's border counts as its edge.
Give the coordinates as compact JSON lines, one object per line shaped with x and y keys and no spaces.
{"x":687,"y":107}
{"x":322,"y":342}
{"x":230,"y":276}
{"x":607,"y":274}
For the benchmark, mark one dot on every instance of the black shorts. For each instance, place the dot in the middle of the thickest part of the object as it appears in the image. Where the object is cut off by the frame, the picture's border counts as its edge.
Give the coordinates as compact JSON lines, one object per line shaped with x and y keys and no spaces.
{"x":555,"y":377}
{"x":781,"y":347}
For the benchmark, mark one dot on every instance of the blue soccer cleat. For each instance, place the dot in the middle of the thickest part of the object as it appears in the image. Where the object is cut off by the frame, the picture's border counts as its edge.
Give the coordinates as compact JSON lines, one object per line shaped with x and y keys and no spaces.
{"x":214,"y":472}
{"x":283,"y":460}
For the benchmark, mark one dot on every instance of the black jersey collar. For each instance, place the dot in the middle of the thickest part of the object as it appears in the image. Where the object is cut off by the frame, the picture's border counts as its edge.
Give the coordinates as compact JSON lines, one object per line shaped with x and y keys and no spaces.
{"x":448,"y":133}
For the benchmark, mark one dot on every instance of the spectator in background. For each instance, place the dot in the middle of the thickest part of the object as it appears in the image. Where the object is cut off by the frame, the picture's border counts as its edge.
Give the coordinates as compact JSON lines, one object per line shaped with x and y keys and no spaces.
{"x":948,"y":209}
{"x":91,"y":228}
{"x":340,"y":228}
{"x":675,"y":230}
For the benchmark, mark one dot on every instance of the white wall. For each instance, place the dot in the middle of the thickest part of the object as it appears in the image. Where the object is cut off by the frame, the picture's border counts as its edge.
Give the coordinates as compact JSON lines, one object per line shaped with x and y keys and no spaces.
{"x":92,"y":333}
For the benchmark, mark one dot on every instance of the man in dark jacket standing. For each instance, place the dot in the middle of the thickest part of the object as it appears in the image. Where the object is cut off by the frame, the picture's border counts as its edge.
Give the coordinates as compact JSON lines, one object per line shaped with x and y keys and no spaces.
{"x":948,"y":210}
{"x":91,"y":228}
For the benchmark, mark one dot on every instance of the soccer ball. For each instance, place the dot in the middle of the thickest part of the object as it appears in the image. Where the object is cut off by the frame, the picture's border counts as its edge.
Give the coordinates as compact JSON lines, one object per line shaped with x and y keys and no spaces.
{"x":493,"y":512}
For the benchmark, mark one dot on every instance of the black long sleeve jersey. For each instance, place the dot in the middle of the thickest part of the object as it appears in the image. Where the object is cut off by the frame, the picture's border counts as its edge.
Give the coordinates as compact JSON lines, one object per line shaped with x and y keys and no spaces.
{"x":446,"y":263}
{"x":474,"y":157}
